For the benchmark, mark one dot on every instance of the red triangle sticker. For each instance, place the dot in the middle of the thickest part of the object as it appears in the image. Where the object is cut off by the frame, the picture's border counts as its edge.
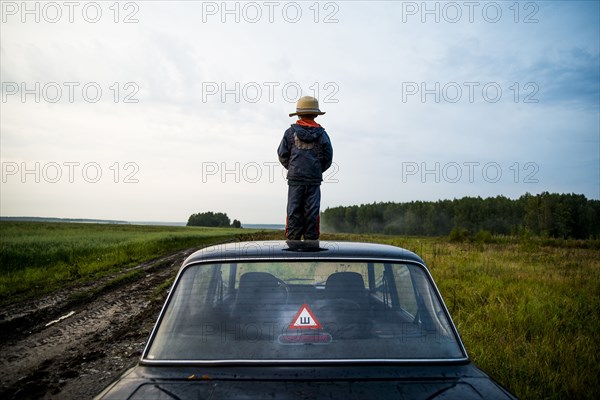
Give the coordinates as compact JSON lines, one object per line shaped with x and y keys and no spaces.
{"x":305,"y":319}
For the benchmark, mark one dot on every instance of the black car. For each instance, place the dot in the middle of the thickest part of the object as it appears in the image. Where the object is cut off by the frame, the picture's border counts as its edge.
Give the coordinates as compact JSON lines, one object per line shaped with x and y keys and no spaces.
{"x":304,"y":320}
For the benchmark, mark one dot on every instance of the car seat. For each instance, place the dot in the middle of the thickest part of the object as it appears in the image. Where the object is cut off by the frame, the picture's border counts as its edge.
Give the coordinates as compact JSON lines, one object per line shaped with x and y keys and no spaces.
{"x":260,"y":295}
{"x":344,"y":311}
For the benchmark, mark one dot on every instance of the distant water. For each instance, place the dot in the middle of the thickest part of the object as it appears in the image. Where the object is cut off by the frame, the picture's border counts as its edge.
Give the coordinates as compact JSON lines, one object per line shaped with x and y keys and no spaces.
{"x":69,"y":220}
{"x":161,"y":223}
{"x":104,"y":221}
{"x":246,"y":226}
{"x":263,"y":226}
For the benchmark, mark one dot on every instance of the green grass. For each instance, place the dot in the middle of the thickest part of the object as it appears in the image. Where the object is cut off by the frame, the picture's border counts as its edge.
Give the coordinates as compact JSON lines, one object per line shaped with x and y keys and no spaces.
{"x":528,"y":311}
{"x":39,"y":257}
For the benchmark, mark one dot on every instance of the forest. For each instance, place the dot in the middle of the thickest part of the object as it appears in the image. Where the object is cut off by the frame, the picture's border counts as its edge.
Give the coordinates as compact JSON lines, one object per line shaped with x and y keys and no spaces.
{"x":212,"y":219}
{"x":547,"y":215}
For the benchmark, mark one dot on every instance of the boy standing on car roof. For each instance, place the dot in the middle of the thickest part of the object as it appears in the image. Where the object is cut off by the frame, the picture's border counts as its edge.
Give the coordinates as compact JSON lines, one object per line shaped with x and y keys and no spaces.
{"x":306,"y":152}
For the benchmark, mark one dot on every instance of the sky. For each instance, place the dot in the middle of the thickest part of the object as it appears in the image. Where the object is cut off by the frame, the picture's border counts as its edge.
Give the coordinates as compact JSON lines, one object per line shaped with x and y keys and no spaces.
{"x":155,"y":110}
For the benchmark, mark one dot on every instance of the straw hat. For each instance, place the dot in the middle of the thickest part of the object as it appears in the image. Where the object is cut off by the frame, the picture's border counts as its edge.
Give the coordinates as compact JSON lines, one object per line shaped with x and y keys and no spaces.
{"x":307,"y":105}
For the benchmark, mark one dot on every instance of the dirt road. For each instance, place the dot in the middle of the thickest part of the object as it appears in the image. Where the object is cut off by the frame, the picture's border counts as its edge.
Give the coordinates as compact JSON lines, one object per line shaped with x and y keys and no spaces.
{"x":71,"y":344}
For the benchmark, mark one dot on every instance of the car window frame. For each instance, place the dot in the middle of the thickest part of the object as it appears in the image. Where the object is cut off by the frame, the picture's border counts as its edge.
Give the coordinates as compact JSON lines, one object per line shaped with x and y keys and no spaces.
{"x":144,"y":360}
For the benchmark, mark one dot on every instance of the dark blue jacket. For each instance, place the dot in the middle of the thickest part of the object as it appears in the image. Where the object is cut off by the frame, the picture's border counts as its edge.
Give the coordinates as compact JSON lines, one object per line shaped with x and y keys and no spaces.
{"x":306,"y":153}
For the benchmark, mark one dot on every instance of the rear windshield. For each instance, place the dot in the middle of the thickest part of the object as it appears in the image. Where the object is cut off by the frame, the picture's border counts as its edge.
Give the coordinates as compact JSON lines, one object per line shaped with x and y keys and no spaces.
{"x":304,"y":311}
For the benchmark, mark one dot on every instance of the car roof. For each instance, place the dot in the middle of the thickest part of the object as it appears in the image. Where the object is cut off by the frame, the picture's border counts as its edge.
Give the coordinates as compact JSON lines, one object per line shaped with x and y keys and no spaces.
{"x":301,"y":250}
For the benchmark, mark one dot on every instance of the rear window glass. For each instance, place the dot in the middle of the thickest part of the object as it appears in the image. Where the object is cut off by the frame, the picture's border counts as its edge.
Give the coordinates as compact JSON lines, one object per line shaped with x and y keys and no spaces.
{"x":304,"y":311}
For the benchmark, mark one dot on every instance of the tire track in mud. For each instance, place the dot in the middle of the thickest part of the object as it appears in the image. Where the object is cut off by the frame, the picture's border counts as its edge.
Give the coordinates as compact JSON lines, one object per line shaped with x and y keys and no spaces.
{"x":43,"y":356}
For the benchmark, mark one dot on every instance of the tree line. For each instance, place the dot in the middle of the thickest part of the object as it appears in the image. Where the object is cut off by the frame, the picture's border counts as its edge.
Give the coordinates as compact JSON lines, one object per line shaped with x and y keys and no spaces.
{"x":212,"y":219}
{"x":546,"y":214}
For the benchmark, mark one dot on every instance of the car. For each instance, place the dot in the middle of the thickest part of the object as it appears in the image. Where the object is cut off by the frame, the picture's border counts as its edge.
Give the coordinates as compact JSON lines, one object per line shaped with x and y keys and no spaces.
{"x":304,"y":320}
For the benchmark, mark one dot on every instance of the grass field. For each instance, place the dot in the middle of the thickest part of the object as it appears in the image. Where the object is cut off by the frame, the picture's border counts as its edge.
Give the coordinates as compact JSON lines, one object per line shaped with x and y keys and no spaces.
{"x":527,"y":310}
{"x":38,"y":257}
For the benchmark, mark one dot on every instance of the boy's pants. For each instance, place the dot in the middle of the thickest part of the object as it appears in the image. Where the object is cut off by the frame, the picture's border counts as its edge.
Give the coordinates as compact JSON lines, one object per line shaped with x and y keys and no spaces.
{"x":303,"y":206}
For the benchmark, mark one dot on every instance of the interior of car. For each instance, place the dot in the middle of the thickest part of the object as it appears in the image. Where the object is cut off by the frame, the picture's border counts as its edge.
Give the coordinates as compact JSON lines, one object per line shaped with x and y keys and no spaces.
{"x":266,"y":310}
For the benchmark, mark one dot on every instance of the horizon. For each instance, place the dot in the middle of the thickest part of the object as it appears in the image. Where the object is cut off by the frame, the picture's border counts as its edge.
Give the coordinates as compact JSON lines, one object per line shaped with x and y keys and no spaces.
{"x":254,"y":224}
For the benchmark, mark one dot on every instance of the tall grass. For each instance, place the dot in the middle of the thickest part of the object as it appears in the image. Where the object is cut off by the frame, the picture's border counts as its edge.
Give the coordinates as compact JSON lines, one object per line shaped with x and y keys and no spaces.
{"x":528,"y":311}
{"x":37,"y":257}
